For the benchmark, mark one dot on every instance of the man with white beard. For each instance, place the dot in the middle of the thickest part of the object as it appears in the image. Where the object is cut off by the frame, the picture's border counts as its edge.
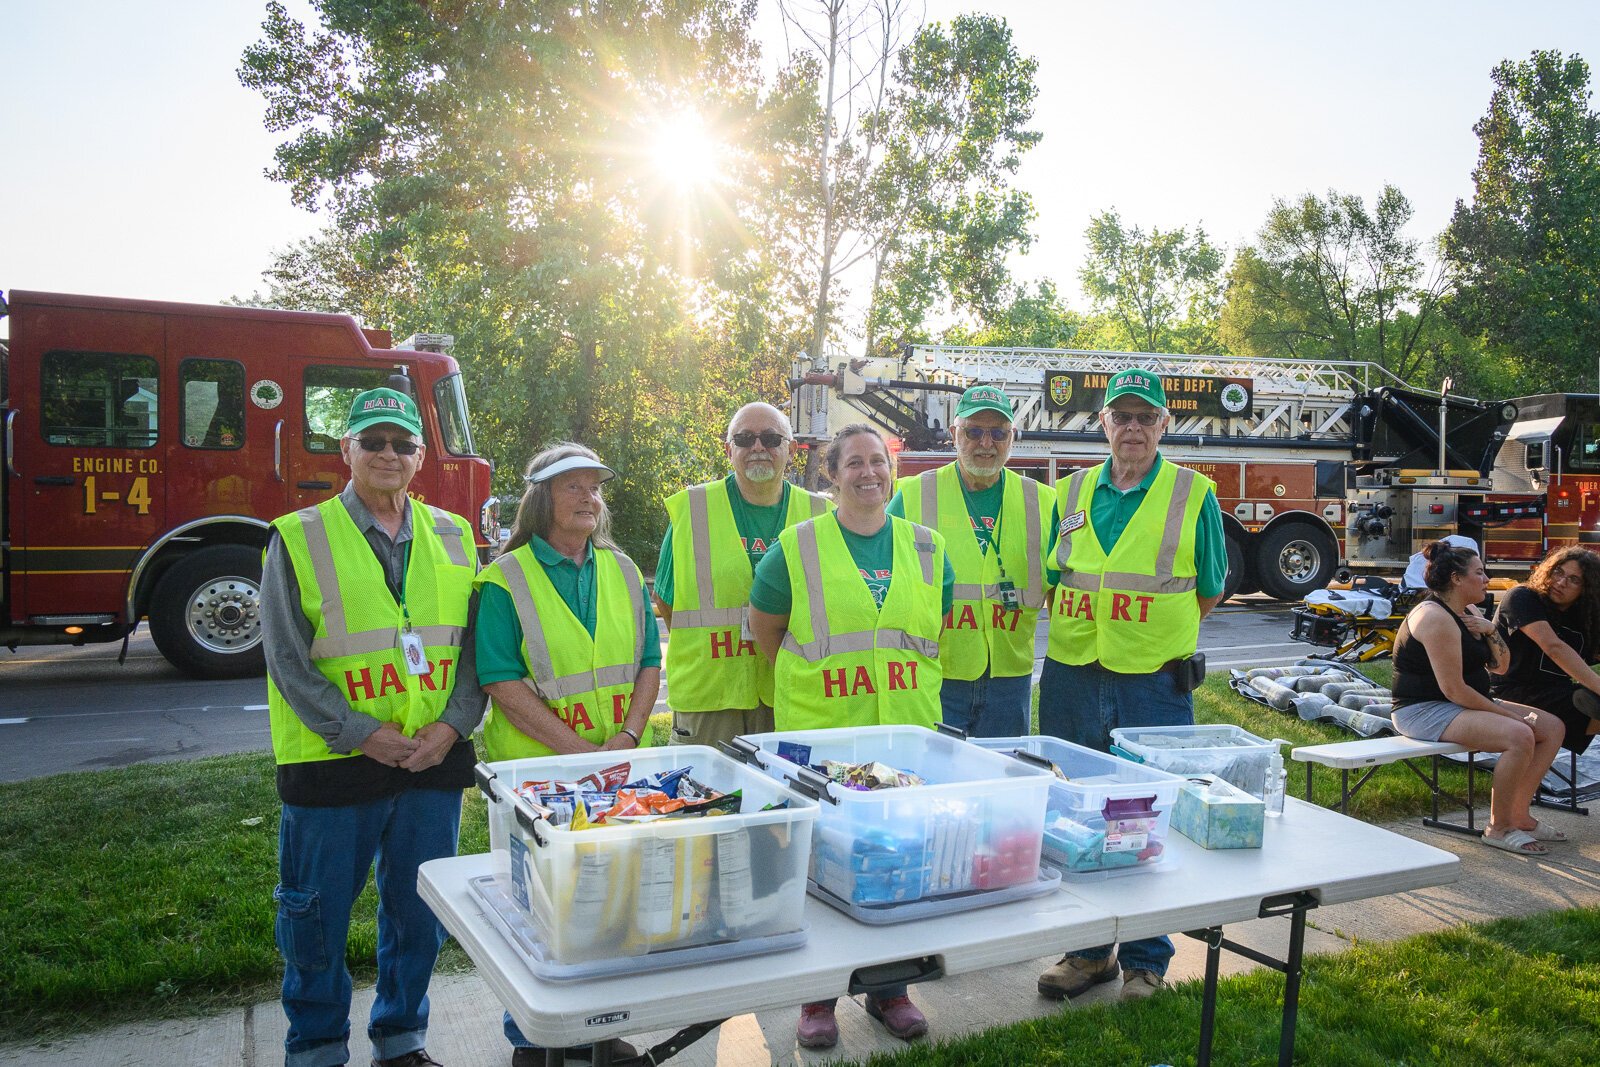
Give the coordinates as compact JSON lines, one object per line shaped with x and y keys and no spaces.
{"x":996,"y":524}
{"x":718,"y":684}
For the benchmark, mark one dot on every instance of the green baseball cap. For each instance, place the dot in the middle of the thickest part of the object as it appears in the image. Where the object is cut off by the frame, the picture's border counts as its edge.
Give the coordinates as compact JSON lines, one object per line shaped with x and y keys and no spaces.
{"x":1146,"y":385}
{"x":377,"y":406}
{"x":983,"y":398}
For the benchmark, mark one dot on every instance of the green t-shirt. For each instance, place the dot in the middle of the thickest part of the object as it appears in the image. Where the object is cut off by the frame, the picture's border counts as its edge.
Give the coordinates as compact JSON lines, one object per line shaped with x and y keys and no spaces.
{"x":874,"y":559}
{"x":983,"y":509}
{"x":758,"y":526}
{"x":497,"y":637}
{"x":1111,"y":509}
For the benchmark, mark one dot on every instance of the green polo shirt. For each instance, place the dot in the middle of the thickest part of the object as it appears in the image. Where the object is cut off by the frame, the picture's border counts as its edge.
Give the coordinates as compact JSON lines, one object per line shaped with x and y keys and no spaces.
{"x":1111,"y":509}
{"x":983,"y":509}
{"x":874,"y":560}
{"x":498,"y":636}
{"x":758,"y":525}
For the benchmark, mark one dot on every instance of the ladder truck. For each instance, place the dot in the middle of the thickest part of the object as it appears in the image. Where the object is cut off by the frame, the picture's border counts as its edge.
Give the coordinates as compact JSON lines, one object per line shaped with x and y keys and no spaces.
{"x":1323,"y":467}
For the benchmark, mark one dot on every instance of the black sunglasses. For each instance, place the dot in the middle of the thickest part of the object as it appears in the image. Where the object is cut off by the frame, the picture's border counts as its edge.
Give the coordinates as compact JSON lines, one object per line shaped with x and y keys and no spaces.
{"x":768,"y":438}
{"x":378,"y":444}
{"x":998,"y":434}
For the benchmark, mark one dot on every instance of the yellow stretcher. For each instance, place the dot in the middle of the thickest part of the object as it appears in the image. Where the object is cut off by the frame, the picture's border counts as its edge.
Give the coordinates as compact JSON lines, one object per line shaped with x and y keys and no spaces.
{"x":1357,"y":621}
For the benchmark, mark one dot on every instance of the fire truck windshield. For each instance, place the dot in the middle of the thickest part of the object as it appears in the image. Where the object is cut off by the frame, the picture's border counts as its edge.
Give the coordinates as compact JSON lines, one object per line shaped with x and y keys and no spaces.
{"x":451,"y":399}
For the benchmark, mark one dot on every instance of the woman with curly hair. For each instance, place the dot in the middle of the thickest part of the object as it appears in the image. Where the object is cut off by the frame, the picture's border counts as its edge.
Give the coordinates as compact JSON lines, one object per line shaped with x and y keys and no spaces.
{"x":1444,"y":653}
{"x":1552,"y":626}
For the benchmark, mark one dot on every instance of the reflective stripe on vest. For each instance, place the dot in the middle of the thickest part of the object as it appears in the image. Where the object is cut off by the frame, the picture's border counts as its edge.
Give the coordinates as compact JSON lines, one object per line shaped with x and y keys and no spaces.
{"x":980,"y":634}
{"x":1096,"y":607}
{"x":711,"y":658}
{"x":576,"y":671}
{"x":363,"y":660}
{"x":833,"y":675}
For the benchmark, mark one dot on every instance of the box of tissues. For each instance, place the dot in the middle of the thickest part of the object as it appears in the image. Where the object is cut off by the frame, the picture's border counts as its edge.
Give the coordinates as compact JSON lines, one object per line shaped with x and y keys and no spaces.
{"x":1214,"y":814}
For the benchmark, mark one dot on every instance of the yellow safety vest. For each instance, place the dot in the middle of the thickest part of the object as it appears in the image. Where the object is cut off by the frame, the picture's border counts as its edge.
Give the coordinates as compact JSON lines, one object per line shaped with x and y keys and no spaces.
{"x":1136,"y":609}
{"x":355,"y":641}
{"x":587,"y":681}
{"x":712,"y":661}
{"x":979,"y":633}
{"x":843,"y":661}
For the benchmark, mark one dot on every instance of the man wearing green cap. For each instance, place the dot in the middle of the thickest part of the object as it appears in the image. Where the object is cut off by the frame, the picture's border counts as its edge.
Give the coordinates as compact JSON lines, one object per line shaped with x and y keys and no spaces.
{"x":366,"y":601}
{"x":1138,"y":560}
{"x":996,"y":525}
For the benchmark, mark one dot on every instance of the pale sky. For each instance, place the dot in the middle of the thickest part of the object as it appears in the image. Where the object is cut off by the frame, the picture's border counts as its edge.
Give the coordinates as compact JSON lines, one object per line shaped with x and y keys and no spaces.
{"x":133,"y":159}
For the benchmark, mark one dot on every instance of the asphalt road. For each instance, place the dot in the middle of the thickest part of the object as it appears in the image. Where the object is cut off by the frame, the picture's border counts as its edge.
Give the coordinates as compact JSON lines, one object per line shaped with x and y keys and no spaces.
{"x":75,"y":709}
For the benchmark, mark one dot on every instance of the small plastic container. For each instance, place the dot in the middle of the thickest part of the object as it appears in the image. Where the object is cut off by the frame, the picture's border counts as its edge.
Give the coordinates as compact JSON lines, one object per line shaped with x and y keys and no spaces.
{"x":628,"y":891}
{"x":1234,"y":755}
{"x":976,"y":825}
{"x":1110,"y":817}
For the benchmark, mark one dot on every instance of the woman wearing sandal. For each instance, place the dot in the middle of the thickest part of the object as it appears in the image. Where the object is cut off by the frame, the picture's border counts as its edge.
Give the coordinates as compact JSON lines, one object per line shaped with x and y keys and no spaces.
{"x":1444,"y":652}
{"x":1552,"y":627}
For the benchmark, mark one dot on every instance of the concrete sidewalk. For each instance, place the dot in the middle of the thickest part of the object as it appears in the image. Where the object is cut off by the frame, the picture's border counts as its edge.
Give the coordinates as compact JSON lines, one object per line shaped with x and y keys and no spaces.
{"x":465,"y":1029}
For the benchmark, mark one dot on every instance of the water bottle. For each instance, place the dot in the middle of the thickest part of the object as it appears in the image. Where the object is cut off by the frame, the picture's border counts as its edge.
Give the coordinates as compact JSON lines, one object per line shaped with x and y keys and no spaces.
{"x":1276,"y":776}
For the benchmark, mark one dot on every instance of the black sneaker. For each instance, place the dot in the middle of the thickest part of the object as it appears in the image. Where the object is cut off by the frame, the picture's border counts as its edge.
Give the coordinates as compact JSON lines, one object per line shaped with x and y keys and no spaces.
{"x":419,"y":1058}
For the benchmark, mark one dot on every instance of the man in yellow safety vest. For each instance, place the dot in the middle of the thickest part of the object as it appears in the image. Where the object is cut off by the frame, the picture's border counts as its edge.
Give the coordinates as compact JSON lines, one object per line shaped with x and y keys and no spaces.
{"x":718,"y":684}
{"x":366,"y":601}
{"x":996,"y":525}
{"x":1139,"y":559}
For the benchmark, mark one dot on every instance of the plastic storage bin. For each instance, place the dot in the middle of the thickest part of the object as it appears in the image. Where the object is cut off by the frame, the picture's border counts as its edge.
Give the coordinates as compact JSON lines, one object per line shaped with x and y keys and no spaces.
{"x":1110,"y":817}
{"x":976,"y":826}
{"x":620,"y":891}
{"x":1234,"y":755}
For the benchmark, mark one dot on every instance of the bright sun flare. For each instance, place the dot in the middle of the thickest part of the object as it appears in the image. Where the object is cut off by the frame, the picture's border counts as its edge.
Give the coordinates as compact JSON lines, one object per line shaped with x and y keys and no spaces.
{"x":685,"y":152}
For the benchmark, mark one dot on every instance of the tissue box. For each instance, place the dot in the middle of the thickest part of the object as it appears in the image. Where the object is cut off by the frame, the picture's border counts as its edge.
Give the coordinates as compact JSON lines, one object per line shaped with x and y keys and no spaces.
{"x":1214,"y":814}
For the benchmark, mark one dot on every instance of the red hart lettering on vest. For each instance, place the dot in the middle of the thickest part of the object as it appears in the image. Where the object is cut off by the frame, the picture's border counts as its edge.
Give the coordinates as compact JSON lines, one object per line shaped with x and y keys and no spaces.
{"x":619,"y":708}
{"x":841,"y":682}
{"x":998,"y":620}
{"x":899,"y":673}
{"x":967,"y":620}
{"x":1121,"y":602}
{"x":575,"y":715}
{"x":723,"y":646}
{"x":359,"y":685}
{"x":1075,"y":604}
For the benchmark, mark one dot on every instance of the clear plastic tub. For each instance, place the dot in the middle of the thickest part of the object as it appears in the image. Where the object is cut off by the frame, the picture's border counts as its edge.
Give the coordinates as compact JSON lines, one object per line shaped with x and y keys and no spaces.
{"x":1232,"y":754}
{"x":1110,"y":817}
{"x":977,"y":823}
{"x":621,"y":891}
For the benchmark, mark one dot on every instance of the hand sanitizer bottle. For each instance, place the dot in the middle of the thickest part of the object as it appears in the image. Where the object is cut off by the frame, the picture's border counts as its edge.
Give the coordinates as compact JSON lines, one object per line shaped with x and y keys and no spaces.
{"x":1275,"y":784}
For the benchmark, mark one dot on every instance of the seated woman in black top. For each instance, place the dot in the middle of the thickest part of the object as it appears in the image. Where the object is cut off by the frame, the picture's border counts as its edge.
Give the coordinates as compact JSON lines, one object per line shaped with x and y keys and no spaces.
{"x":1552,"y":626}
{"x":1444,"y":653}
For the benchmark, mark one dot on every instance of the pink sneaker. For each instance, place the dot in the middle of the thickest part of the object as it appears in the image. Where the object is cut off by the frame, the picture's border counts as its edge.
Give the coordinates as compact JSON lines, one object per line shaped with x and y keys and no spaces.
{"x":899,"y":1016}
{"x":818,"y":1028}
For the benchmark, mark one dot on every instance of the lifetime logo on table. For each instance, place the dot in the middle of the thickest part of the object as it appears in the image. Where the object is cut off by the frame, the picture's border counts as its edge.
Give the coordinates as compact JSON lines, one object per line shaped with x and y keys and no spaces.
{"x":608,"y":1018}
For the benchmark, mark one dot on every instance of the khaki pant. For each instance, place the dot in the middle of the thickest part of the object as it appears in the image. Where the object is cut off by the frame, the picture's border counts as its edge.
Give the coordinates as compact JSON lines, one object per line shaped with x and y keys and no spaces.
{"x":709,"y":727}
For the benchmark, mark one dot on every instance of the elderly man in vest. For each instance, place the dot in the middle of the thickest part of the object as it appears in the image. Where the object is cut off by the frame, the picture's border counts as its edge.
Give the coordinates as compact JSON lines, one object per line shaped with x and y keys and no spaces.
{"x":996,"y":525}
{"x":1138,"y":560}
{"x":373,"y":697}
{"x":718,"y":684}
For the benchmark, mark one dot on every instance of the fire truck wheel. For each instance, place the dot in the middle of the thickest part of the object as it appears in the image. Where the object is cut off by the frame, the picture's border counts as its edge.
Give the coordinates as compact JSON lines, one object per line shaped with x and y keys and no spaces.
{"x":1236,"y":570}
{"x":206,"y":613}
{"x":1293,"y":559}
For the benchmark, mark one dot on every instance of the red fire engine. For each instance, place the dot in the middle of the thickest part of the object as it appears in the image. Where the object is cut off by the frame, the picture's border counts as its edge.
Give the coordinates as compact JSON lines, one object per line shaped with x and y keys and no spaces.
{"x":1319,"y":465}
{"x":147,"y":445}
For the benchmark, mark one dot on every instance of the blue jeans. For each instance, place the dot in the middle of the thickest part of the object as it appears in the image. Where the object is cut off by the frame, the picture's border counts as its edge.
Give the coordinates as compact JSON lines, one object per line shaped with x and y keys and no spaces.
{"x":324,"y":855}
{"x":987,"y":706}
{"x":1083,"y":705}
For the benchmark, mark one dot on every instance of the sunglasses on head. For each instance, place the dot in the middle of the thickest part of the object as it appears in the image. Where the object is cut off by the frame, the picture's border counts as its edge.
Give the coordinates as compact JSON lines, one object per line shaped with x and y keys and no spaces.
{"x":998,"y":434}
{"x":378,"y":444}
{"x":768,"y":439}
{"x":1144,"y":418}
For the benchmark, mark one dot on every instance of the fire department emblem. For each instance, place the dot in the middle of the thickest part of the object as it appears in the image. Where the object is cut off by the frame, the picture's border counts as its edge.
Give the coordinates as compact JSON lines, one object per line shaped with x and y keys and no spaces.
{"x":1234,"y":398}
{"x":266,"y":394}
{"x":1060,"y":390}
{"x":1071,"y":522}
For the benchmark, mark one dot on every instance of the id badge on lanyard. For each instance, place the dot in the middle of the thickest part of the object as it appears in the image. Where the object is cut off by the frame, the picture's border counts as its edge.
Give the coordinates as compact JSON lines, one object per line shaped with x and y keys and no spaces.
{"x":410,"y":641}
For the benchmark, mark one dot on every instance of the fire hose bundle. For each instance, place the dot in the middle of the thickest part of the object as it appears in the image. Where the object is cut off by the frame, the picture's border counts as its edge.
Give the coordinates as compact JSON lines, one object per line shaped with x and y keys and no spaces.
{"x":1321,"y":691}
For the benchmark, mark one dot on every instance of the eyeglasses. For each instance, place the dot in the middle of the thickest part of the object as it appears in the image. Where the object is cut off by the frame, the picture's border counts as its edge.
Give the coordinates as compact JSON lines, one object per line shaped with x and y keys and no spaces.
{"x":998,"y":434}
{"x":378,"y":444}
{"x":1575,"y":580}
{"x":768,"y":439}
{"x":1144,"y":418}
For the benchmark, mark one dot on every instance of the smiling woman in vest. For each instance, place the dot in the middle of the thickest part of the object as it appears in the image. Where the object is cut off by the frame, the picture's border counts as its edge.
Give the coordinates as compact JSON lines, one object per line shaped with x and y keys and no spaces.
{"x":567,"y":649}
{"x":849,"y":606}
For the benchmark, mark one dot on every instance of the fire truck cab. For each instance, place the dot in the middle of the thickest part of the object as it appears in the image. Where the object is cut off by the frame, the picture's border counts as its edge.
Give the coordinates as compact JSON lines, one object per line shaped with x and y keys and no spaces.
{"x":147,"y":446}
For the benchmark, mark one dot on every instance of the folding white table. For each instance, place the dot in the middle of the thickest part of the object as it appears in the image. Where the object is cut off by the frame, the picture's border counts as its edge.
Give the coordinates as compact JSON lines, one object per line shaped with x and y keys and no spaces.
{"x":1311,"y":856}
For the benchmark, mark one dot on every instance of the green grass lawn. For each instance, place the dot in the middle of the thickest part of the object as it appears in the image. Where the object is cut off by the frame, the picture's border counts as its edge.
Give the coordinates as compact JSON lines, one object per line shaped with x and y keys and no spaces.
{"x":147,"y":891}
